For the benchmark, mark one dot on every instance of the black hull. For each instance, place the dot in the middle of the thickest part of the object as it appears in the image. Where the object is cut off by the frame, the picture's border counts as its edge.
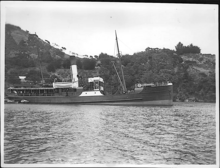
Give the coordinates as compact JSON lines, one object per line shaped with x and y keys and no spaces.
{"x":159,"y":95}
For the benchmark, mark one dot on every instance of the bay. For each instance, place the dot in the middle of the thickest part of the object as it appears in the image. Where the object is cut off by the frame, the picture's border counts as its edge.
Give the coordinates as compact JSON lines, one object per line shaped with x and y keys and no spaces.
{"x":89,"y":134}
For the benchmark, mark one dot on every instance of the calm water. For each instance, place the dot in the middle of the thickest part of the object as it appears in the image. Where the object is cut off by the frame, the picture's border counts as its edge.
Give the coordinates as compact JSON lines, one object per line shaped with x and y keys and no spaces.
{"x":58,"y":134}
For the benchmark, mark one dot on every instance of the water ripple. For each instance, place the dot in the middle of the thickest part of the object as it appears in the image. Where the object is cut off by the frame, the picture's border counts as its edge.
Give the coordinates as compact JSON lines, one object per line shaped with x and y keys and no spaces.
{"x":182,"y":134}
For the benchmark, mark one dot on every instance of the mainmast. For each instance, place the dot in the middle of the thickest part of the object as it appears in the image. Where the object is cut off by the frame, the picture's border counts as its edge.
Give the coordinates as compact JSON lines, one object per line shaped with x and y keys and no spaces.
{"x":42,"y":77}
{"x":39,"y":58}
{"x":123,"y":79}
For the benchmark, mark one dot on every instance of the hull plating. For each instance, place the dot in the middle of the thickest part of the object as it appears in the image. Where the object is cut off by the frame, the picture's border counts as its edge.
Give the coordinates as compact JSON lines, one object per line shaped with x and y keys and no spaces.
{"x":160,"y":95}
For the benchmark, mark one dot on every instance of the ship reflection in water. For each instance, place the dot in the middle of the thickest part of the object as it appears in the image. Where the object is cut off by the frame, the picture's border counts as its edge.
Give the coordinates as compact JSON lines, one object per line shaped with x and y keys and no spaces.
{"x":68,"y":134}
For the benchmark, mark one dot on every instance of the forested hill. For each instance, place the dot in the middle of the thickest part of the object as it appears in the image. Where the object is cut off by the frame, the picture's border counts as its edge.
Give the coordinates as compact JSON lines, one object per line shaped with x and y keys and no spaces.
{"x":192,"y":73}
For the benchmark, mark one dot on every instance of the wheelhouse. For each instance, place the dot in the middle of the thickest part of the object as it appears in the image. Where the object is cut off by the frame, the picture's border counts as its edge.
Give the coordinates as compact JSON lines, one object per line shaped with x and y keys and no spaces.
{"x":96,"y":83}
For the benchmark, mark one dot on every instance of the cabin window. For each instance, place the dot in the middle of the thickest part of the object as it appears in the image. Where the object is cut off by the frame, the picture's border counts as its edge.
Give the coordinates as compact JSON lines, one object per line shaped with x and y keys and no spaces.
{"x":101,"y":84}
{"x":91,"y":86}
{"x":64,"y":90}
{"x":96,"y":85}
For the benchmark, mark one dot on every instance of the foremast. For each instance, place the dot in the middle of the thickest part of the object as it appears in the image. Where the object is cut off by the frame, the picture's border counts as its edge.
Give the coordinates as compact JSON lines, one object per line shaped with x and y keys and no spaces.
{"x":122,"y":72}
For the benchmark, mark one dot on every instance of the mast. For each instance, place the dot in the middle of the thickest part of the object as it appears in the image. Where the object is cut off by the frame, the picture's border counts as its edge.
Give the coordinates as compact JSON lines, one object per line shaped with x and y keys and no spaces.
{"x":38,"y":56}
{"x":123,"y":79}
{"x":118,"y":76}
{"x":42,"y":77}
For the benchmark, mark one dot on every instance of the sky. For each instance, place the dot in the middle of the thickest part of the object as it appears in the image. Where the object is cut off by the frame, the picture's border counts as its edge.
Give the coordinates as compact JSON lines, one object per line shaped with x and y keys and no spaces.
{"x":88,"y":28}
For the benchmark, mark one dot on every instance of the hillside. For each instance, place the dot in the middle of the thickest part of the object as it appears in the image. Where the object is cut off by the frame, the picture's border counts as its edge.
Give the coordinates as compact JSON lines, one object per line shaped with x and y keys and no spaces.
{"x":25,"y":53}
{"x":191,"y":72}
{"x":201,"y":62}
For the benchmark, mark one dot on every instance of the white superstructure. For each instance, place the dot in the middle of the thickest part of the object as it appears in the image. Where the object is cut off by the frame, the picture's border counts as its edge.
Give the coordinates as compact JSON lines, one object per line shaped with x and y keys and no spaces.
{"x":74,"y":75}
{"x":96,"y":86}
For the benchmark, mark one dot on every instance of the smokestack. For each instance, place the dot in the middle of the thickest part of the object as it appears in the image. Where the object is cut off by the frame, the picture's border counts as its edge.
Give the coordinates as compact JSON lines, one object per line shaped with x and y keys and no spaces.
{"x":73,"y":69}
{"x":73,"y":60}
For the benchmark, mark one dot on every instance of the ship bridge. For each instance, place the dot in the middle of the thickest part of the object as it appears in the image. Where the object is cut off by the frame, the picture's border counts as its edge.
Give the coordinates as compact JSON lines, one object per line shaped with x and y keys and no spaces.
{"x":96,"y":87}
{"x":96,"y":83}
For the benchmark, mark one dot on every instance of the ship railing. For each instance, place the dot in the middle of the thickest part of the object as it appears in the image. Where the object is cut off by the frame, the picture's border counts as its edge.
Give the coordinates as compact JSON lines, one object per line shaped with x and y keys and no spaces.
{"x":139,"y":85}
{"x":36,"y":94}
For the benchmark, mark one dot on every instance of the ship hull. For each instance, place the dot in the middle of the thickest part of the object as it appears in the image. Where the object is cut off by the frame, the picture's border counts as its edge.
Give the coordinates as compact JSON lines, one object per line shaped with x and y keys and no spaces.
{"x":160,"y":95}
{"x":137,"y":103}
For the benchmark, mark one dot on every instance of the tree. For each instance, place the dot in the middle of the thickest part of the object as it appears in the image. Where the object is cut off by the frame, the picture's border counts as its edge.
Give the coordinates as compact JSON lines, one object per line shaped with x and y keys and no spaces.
{"x":22,"y":60}
{"x":79,"y":64}
{"x":46,"y":57}
{"x":52,"y":78}
{"x":179,"y":48}
{"x":52,"y":66}
{"x":55,"y":64}
{"x":66,"y":64}
{"x":23,"y":46}
{"x":88,"y":64}
{"x":126,"y":59}
{"x":13,"y":77}
{"x":59,"y":53}
{"x":34,"y":75}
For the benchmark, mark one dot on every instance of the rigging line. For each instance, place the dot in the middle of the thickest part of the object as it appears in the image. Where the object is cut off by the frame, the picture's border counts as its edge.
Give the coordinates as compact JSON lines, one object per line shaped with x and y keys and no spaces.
{"x":126,"y":45}
{"x":114,"y":49}
{"x":118,"y":75}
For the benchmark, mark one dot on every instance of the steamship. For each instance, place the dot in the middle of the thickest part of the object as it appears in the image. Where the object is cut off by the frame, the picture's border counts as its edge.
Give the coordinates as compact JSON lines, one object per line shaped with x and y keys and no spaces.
{"x":72,"y":93}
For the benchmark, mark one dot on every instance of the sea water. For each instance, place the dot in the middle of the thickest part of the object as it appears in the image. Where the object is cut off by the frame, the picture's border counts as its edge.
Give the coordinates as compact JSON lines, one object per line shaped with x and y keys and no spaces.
{"x":89,"y":134}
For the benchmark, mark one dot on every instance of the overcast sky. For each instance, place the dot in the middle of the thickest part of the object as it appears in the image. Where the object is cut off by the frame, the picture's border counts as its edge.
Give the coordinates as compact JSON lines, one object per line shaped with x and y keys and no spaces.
{"x":88,"y":28}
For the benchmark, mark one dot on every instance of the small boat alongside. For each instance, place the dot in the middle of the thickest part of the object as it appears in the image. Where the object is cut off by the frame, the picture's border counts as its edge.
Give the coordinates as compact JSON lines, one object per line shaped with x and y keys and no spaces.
{"x":9,"y":101}
{"x":24,"y":101}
